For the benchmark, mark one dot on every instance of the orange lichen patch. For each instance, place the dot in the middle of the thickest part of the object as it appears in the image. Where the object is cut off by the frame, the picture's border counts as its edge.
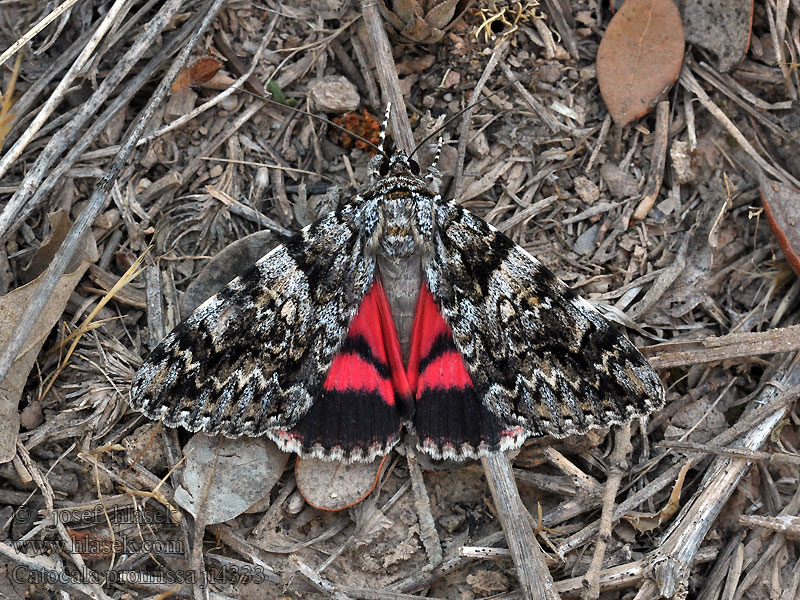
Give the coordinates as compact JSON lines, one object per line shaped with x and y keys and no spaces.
{"x":363,"y":125}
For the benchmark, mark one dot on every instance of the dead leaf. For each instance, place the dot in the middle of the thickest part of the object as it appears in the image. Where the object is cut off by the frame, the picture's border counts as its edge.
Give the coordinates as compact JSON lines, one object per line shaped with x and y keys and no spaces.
{"x":782,"y":208}
{"x":32,"y":415}
{"x":226,"y":476}
{"x":94,"y":547}
{"x":198,"y":72}
{"x":59,"y":228}
{"x":649,"y":521}
{"x":330,"y":485}
{"x":415,"y":64}
{"x":639,"y":57}
{"x":721,"y":26}
{"x":12,"y":306}
{"x":233,"y":260}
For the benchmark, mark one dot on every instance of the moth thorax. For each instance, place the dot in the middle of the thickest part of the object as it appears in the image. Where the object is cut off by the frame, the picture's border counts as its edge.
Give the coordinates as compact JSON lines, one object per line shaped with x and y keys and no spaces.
{"x":399,"y":234}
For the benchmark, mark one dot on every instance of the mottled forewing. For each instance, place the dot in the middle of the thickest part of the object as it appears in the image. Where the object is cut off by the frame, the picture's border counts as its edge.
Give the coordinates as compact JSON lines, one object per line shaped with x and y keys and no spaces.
{"x":539,"y":356}
{"x":253,"y":358}
{"x":450,"y":421}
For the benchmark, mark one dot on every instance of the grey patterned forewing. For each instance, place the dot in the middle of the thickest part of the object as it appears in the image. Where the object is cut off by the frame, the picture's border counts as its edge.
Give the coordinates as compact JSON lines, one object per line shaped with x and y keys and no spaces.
{"x":254,"y":357}
{"x":539,"y":356}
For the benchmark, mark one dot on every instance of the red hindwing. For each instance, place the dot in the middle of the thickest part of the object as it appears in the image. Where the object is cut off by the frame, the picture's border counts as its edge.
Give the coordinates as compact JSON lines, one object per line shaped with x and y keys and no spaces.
{"x":368,"y":394}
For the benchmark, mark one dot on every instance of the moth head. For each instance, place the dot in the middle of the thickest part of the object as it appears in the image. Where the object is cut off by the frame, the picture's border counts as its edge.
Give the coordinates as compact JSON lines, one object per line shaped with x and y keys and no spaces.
{"x":397,"y":163}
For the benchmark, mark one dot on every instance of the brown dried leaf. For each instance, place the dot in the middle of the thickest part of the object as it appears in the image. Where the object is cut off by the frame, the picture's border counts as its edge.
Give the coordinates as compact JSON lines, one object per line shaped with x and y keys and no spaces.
{"x":639,"y":57}
{"x":330,"y":485}
{"x":59,"y":228}
{"x":415,"y":64}
{"x":12,"y":305}
{"x":95,"y":547}
{"x":198,"y":72}
{"x":782,"y":207}
{"x":440,"y":15}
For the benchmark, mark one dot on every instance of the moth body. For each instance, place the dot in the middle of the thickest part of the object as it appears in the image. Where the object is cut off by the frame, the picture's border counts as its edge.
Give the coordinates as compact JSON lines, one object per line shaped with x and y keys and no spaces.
{"x":402,"y":239}
{"x":398,"y":310}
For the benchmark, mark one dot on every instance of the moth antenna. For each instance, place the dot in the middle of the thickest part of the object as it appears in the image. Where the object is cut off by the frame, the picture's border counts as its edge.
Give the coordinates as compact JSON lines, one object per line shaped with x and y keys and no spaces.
{"x":433,"y":175}
{"x":438,"y":153}
{"x":384,"y":127}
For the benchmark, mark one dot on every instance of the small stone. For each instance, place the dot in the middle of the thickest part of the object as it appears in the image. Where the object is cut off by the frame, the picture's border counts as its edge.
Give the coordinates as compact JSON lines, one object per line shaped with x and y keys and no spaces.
{"x":486,"y":582}
{"x":585,"y":242}
{"x":681,"y":161}
{"x":294,"y":504}
{"x":333,"y":94}
{"x":478,"y":146}
{"x":453,"y":79}
{"x":550,"y":72}
{"x":154,"y":459}
{"x":31,"y":416}
{"x":586,"y":189}
{"x":620,"y":183}
{"x":230,"y":103}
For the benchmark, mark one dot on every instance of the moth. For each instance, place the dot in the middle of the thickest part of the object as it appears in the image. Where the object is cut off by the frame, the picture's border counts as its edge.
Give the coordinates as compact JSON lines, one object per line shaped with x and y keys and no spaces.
{"x":478,"y":347}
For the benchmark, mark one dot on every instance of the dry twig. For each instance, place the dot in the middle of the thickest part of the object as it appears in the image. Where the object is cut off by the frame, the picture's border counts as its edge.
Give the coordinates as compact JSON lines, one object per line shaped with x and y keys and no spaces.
{"x":529,"y":559}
